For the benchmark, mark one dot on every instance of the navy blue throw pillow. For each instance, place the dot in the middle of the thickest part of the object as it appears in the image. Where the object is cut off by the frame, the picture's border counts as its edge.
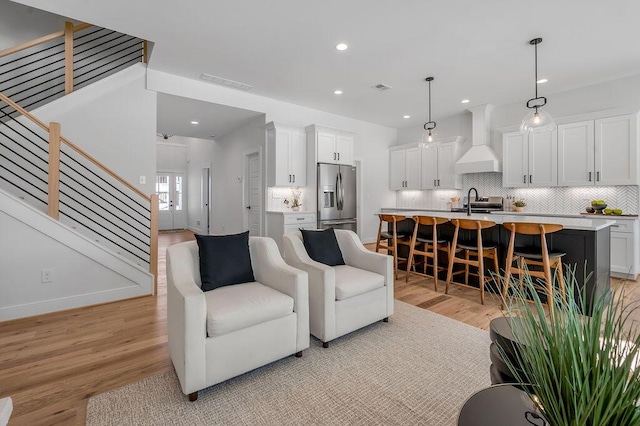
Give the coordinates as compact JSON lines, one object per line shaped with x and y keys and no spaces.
{"x":322,"y":246}
{"x":224,"y":260}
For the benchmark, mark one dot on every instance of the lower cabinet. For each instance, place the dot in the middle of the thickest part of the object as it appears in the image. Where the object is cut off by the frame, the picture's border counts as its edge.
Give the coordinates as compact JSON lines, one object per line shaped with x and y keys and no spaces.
{"x":279,"y":223}
{"x":624,"y":249}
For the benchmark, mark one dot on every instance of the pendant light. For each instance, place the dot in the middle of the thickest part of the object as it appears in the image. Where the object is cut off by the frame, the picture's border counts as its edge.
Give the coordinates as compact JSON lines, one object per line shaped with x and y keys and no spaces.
{"x":426,"y":140}
{"x":537,"y":119}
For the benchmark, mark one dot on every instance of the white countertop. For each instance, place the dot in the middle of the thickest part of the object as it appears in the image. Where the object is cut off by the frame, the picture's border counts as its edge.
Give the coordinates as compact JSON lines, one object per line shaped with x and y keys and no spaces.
{"x":581,"y":223}
{"x":525,"y":213}
{"x":290,"y":212}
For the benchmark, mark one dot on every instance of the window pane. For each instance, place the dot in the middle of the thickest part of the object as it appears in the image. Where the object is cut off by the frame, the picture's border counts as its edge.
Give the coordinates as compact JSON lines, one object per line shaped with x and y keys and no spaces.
{"x":162,"y":189}
{"x":178,"y":203}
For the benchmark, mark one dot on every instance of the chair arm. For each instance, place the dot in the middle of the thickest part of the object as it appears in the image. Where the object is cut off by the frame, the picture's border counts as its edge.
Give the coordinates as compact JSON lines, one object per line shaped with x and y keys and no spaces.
{"x":322,"y":287}
{"x":356,"y":254}
{"x":270,"y":269}
{"x":186,"y":322}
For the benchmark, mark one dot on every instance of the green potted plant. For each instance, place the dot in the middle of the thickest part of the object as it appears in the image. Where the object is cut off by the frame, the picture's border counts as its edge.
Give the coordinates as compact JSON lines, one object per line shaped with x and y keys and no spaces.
{"x":519,"y":205}
{"x":579,"y":370}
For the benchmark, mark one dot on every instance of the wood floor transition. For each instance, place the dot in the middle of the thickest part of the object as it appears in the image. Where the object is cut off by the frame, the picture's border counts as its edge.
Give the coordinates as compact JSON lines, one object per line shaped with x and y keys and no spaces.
{"x":52,"y":364}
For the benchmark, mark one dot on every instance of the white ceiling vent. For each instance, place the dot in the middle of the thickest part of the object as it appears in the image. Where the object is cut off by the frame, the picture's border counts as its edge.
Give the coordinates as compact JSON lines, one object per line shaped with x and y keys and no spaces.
{"x":225,"y":82}
{"x":381,"y":87}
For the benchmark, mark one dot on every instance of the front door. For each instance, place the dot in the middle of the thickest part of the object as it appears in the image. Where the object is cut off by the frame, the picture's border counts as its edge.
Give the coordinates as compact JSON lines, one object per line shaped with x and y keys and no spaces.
{"x":172,"y":202}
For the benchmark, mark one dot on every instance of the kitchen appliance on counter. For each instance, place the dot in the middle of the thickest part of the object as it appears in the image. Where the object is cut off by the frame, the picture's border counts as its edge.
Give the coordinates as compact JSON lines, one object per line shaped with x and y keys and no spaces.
{"x":337,"y":197}
{"x":482,"y":205}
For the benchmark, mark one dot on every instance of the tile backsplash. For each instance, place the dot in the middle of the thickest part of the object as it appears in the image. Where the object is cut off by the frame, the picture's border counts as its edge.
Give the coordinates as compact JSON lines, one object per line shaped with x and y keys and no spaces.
{"x":554,"y":200}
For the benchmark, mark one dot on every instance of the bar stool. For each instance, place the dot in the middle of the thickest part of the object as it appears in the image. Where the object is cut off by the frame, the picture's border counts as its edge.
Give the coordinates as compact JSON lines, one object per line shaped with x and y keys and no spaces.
{"x":430,"y":246}
{"x":470,"y":248}
{"x":395,"y":237}
{"x":531,"y":255}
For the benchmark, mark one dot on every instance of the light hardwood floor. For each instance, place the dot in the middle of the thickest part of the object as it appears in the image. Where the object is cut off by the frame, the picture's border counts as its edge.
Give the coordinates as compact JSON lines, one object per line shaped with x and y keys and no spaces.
{"x":52,"y":364}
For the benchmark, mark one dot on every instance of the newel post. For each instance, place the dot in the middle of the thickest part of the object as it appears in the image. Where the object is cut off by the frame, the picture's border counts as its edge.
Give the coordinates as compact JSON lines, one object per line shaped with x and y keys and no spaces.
{"x":54,"y":171}
{"x":153,"y":235}
{"x":68,"y":57}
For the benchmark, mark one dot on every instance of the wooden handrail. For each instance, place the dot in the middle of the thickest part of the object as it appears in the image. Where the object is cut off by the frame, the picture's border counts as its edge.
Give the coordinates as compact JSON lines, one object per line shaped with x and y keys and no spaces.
{"x":104,"y":168}
{"x":40,"y":40}
{"x":75,"y":148}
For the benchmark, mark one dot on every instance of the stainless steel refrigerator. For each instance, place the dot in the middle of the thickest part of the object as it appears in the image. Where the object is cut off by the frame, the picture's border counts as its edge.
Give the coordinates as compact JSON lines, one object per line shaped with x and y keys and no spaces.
{"x":337,"y":197}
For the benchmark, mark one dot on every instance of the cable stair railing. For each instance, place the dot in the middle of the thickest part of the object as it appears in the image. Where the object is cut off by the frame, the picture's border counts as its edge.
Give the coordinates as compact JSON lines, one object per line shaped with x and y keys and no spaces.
{"x":54,"y":175}
{"x":42,"y":70}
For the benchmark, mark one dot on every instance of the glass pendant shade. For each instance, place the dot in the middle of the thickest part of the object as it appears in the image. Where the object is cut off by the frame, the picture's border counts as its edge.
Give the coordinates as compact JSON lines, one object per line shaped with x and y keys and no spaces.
{"x":427,"y":139}
{"x":537,"y":120}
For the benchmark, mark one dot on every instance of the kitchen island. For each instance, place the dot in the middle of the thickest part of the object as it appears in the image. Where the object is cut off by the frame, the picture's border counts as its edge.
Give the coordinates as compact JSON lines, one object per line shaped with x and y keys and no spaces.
{"x":586,"y":242}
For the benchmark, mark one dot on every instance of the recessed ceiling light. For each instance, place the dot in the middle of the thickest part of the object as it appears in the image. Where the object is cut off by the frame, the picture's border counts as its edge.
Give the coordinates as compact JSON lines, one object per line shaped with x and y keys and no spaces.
{"x":337,"y":92}
{"x":195,"y":122}
{"x":542,"y":80}
{"x":406,"y":116}
{"x":342,"y":46}
{"x":464,"y":101}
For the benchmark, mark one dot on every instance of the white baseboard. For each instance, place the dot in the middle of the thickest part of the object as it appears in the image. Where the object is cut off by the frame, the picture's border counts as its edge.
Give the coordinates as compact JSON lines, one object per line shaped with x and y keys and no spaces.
{"x":194,"y":229}
{"x":71,"y":302}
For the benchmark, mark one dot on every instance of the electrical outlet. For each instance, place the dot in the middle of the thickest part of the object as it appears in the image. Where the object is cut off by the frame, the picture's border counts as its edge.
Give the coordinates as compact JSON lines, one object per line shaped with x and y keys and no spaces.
{"x":47,"y":275}
{"x":143,"y":180}
{"x":198,"y":222}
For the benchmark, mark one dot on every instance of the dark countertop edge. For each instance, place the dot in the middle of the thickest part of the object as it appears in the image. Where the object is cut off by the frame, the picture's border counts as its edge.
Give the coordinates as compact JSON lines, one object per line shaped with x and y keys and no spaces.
{"x":525,"y":213}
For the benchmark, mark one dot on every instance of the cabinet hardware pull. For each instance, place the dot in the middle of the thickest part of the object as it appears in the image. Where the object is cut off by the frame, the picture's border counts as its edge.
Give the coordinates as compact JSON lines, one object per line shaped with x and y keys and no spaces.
{"x":334,"y":156}
{"x":294,"y":178}
{"x":438,"y":182}
{"x":598,"y":176}
{"x":589,"y":176}
{"x":524,"y":178}
{"x":338,"y":156}
{"x":615,"y":226}
{"x":289,"y":178}
{"x":299,"y":218}
{"x":530,"y":178}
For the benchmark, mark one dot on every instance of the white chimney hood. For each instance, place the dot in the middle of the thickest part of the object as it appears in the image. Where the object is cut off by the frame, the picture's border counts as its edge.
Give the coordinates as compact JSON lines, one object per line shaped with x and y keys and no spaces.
{"x":480,"y":158}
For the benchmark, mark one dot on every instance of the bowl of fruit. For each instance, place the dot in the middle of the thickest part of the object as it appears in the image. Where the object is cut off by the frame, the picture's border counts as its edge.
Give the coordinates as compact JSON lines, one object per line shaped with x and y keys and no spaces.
{"x":598,"y":206}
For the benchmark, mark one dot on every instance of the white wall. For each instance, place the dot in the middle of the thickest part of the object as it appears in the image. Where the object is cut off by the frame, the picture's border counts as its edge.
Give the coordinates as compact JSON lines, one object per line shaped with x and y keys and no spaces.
{"x":20,"y":23}
{"x":114,"y":120}
{"x":227,"y":175}
{"x":171,"y":156}
{"x":371,"y":144}
{"x":83,"y":272}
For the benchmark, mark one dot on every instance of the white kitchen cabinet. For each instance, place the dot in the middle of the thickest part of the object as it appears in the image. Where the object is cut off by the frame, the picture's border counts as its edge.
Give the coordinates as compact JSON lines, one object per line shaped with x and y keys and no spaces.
{"x":529,"y":160}
{"x":286,"y":156}
{"x":624,"y":248}
{"x":404,"y":169}
{"x":280,"y":223}
{"x":601,"y":152}
{"x":438,"y":163}
{"x":332,"y":146}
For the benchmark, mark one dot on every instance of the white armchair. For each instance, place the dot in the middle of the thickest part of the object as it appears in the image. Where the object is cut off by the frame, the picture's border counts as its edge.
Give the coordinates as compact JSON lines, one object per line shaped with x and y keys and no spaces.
{"x":346,"y":297}
{"x":222,"y":333}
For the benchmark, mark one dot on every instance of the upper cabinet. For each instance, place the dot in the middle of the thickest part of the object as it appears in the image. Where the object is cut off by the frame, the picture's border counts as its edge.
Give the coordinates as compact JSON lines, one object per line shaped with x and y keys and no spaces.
{"x":599,"y":152}
{"x":404,"y":168}
{"x":286,"y":156}
{"x":530,"y":160}
{"x":333,"y":146}
{"x":438,"y":164}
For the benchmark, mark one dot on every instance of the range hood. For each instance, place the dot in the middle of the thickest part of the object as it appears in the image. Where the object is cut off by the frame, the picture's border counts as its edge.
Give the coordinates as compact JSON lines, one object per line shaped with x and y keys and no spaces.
{"x":480,"y":158}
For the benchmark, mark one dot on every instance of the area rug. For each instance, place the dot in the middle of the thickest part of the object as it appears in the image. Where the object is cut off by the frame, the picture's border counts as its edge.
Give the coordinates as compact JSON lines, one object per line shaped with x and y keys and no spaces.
{"x":419,"y":368}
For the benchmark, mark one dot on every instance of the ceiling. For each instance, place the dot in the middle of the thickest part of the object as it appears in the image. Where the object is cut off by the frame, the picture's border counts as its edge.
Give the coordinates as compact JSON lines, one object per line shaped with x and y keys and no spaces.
{"x":476,"y":50}
{"x":176,"y":113}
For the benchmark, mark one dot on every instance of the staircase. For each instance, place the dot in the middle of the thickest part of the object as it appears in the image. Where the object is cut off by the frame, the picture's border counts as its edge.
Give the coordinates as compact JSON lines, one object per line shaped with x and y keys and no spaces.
{"x":53,"y":175}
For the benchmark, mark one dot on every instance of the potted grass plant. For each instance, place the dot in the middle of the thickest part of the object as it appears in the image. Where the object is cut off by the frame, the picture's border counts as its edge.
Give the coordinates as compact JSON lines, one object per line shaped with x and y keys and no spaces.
{"x":579,"y":370}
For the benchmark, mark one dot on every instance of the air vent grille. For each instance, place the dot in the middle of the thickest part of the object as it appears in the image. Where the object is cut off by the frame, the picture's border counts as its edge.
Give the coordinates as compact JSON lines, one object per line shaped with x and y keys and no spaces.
{"x":225,"y":82}
{"x":381,"y":87}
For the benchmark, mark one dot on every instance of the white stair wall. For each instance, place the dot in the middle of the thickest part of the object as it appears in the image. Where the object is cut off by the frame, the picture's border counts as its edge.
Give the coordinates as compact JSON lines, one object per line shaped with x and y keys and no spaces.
{"x":84,"y":273}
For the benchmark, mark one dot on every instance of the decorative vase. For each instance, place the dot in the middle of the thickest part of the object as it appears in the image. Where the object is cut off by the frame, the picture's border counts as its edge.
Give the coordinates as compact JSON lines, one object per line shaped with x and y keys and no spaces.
{"x":295,"y":209}
{"x":519,"y":209}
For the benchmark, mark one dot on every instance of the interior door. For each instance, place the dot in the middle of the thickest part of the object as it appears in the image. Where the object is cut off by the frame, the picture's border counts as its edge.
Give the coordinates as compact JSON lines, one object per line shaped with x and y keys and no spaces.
{"x":170,"y":188}
{"x":253,"y":206}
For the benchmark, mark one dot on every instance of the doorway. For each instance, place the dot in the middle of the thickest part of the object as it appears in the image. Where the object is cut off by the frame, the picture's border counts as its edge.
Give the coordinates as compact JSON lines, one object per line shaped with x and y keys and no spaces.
{"x":252,"y":190}
{"x":206,"y":200}
{"x":172,"y":213}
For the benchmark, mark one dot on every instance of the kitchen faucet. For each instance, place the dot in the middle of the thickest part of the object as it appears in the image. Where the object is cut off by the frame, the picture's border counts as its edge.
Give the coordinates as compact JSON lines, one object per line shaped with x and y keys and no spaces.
{"x":469,"y":200}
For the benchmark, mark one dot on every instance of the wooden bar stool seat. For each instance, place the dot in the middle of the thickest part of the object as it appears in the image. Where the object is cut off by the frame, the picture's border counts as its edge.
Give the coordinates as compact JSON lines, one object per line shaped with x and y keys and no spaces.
{"x":471,"y":249}
{"x":424,"y":246}
{"x":534,"y":256}
{"x":392,"y":239}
